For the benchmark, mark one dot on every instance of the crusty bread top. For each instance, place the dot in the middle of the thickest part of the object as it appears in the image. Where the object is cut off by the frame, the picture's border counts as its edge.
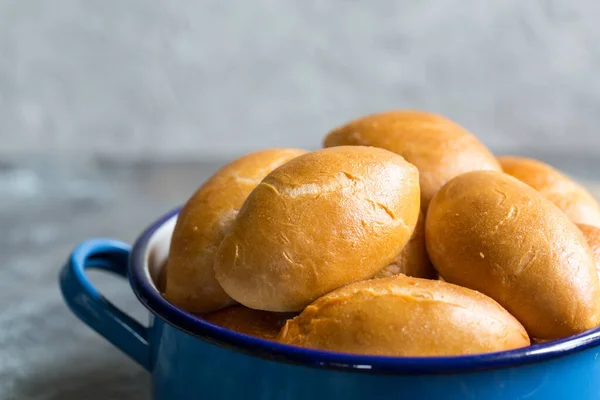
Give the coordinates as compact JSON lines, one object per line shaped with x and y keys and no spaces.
{"x":572,"y":198}
{"x":490,"y":232}
{"x":320,"y":221}
{"x":404,"y":316}
{"x":202,"y":223}
{"x":438,"y":147}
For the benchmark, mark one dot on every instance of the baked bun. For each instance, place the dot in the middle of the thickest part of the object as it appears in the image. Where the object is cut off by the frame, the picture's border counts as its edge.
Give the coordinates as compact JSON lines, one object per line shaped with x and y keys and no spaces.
{"x":572,"y":198}
{"x":201,"y":225}
{"x":320,"y":221}
{"x":438,"y":147}
{"x":490,"y":232}
{"x":261,"y":324}
{"x":404,"y":316}
{"x":592,"y":235}
{"x":413,"y":259}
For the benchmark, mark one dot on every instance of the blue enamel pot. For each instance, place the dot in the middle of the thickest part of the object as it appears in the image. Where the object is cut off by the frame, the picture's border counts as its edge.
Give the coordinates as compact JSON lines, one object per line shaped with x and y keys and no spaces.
{"x":192,"y":359}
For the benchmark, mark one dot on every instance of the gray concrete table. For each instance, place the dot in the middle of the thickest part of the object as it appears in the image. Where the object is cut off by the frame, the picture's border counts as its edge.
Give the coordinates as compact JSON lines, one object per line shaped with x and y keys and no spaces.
{"x":46,"y":208}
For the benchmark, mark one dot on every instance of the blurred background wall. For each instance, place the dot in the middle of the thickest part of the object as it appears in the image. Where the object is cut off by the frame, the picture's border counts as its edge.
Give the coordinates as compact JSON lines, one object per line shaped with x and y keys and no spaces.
{"x":191,"y":79}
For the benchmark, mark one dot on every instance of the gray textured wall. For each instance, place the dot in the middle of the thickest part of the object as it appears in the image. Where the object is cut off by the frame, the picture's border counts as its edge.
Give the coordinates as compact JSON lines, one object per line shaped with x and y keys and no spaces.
{"x":181,"y":78}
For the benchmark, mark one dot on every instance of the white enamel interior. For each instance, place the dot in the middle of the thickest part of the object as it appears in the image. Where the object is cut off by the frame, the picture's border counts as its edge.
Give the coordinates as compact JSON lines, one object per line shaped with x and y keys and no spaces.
{"x":157,"y":251}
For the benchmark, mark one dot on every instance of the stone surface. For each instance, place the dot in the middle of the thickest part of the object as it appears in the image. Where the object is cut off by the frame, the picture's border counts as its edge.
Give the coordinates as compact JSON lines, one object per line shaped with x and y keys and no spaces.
{"x":196,"y":77}
{"x":46,"y":208}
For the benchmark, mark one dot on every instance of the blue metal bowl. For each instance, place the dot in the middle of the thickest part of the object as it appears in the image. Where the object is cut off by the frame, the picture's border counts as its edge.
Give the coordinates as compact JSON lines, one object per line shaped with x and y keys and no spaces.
{"x":193,"y":359}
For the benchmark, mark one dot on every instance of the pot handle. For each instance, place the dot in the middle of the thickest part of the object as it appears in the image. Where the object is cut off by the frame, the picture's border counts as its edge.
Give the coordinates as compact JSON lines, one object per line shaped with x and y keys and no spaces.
{"x":95,"y":310}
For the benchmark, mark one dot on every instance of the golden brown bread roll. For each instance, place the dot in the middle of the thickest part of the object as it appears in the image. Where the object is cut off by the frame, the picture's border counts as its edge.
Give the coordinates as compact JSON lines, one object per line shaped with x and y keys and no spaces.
{"x":438,"y":147}
{"x":190,"y":279}
{"x":322,"y":220}
{"x":413,"y":259}
{"x":404,"y":316}
{"x":592,"y":235}
{"x":572,"y":198}
{"x":262,"y":324}
{"x":490,"y":232}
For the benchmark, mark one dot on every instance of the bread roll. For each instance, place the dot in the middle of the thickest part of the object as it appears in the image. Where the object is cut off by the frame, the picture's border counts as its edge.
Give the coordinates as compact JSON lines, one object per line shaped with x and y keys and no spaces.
{"x":592,"y":235}
{"x":570,"y":197}
{"x":490,"y":232}
{"x":404,"y":316}
{"x":322,"y":220}
{"x":438,"y":147}
{"x":413,"y":259}
{"x":261,"y":324}
{"x":201,"y":225}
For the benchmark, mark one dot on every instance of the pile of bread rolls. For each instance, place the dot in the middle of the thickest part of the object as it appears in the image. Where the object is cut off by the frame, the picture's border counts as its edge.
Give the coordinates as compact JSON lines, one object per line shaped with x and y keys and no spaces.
{"x":404,"y":236}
